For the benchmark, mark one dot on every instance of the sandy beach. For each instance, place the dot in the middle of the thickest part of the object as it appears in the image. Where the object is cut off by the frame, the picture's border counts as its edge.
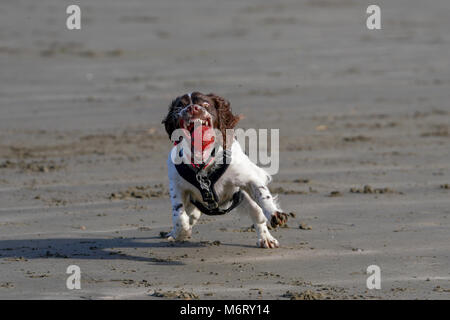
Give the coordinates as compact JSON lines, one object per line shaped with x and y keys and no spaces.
{"x":364,"y":147}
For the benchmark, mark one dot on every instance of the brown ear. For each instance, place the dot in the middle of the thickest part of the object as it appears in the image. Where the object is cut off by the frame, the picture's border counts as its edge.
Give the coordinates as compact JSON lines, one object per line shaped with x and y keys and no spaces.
{"x":171,"y":120}
{"x":226,"y":118}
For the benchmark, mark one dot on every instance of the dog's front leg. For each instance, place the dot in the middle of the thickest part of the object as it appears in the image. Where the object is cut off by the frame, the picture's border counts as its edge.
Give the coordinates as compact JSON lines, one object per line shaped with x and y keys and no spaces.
{"x":181,"y":228}
{"x":261,"y":195}
{"x":265,"y":239}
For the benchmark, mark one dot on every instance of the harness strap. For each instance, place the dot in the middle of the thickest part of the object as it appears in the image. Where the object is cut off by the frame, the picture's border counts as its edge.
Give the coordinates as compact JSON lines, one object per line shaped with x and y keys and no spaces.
{"x":204,"y":182}
{"x":237,"y":199}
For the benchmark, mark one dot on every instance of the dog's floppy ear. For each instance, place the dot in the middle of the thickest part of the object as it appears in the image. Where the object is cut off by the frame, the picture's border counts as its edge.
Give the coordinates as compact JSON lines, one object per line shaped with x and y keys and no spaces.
{"x":226,"y":118}
{"x":171,"y":120}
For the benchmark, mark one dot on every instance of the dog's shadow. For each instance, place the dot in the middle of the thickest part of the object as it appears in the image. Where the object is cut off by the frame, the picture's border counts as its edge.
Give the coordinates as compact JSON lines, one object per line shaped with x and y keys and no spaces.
{"x":88,"y":248}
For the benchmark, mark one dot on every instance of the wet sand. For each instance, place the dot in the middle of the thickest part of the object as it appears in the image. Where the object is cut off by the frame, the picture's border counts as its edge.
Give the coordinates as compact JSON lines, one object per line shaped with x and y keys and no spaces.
{"x":364,"y":147}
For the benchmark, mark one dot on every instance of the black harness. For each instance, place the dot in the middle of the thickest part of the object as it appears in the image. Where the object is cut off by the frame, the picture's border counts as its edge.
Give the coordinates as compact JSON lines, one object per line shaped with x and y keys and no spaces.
{"x":204,"y":181}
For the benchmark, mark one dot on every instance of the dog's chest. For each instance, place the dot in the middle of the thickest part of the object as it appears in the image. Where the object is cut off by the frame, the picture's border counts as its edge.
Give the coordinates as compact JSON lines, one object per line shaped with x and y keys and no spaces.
{"x":224,"y":188}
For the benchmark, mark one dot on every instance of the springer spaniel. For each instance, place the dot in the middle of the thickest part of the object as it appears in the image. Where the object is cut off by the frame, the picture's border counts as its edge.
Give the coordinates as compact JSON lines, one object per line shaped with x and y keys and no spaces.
{"x":197,"y":123}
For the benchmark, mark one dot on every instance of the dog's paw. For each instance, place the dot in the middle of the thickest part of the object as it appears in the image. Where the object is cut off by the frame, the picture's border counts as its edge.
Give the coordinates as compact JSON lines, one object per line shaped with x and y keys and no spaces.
{"x":268,"y":243}
{"x":170,"y":236}
{"x":167,"y":235}
{"x":178,"y":235}
{"x":278,"y":219}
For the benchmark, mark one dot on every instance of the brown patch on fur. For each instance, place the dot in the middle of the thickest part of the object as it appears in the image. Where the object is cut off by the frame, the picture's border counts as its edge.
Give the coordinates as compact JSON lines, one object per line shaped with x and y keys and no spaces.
{"x":224,"y":120}
{"x":278,"y":219}
{"x":171,"y":120}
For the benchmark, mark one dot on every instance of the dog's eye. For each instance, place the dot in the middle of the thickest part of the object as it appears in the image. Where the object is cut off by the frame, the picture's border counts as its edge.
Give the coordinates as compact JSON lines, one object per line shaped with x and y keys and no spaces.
{"x":206,"y":104}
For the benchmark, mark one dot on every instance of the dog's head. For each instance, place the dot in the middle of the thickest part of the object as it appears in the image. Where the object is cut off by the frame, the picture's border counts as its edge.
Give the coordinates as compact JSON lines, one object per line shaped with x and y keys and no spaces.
{"x":209,"y":111}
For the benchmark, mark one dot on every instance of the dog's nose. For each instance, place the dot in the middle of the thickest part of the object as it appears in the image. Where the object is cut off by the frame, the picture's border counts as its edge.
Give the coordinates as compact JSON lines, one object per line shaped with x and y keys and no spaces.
{"x":194,"y":109}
